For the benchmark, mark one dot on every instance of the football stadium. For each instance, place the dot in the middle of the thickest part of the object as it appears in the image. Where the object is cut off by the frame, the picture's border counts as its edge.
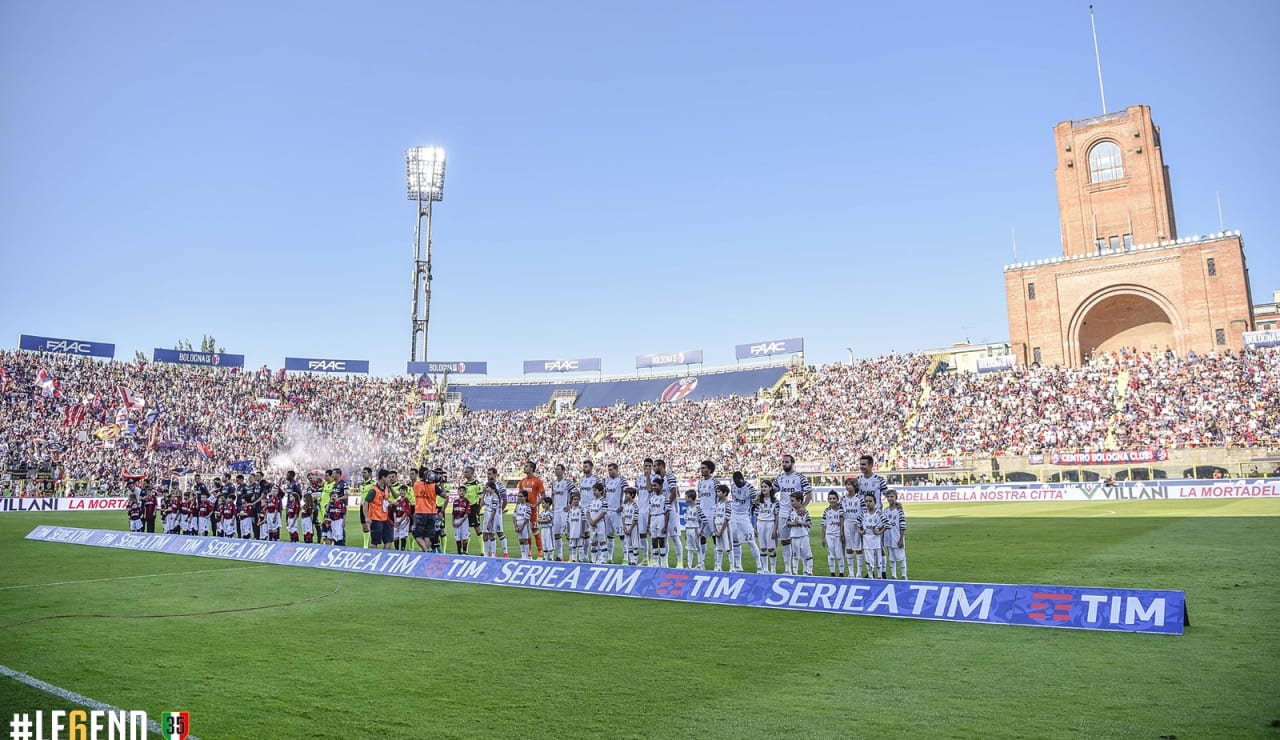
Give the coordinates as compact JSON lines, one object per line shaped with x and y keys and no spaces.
{"x":1070,"y":530}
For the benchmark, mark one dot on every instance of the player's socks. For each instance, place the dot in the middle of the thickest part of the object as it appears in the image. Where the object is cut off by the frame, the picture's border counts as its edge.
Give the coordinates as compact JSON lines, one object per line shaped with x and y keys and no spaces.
{"x":786,"y":555}
{"x":858,"y":572}
{"x":757,"y":555}
{"x":502,"y":542}
{"x":903,"y":562}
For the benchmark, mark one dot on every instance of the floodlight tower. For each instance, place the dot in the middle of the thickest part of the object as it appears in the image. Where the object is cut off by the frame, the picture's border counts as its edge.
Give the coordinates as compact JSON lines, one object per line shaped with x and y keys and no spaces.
{"x":424,"y":167}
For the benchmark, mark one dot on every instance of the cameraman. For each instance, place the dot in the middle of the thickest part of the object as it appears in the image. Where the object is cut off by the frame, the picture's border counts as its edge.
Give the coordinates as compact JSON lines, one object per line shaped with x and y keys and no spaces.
{"x":427,"y":527}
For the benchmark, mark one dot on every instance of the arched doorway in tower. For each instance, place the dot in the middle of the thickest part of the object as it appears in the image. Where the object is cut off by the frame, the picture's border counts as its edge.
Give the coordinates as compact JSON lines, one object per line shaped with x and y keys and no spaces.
{"x":1125,"y":320}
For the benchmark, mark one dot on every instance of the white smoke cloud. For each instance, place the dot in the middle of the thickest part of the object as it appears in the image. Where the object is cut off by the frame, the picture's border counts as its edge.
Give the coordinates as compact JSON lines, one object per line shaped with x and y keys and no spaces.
{"x":307,"y":446}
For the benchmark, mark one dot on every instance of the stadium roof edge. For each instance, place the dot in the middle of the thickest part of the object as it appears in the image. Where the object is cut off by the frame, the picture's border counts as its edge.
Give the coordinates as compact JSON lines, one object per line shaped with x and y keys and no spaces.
{"x":559,"y":379}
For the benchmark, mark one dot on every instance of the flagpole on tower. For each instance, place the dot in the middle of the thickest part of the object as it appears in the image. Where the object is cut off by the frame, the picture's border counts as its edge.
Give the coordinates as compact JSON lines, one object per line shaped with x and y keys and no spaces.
{"x":1097,"y":56}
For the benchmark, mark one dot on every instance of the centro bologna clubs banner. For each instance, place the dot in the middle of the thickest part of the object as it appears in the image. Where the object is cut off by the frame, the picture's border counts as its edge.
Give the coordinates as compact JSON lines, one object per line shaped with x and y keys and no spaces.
{"x":81,"y":347}
{"x":453,"y":368}
{"x":313,"y":365}
{"x":64,"y":503}
{"x":1268,"y":338}
{"x":186,"y":357}
{"x":1112,"y":457}
{"x":997,"y":363}
{"x":772,"y":347}
{"x":692,"y":357}
{"x":592,"y":364}
{"x":1113,"y":609}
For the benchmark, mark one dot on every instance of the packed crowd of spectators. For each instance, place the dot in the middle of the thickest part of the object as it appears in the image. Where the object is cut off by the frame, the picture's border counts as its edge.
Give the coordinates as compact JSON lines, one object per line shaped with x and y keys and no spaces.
{"x":193,"y":419}
{"x":202,"y":419}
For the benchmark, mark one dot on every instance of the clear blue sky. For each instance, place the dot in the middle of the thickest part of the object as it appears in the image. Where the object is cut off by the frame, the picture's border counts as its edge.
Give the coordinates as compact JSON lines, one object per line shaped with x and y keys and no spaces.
{"x":623,"y":177}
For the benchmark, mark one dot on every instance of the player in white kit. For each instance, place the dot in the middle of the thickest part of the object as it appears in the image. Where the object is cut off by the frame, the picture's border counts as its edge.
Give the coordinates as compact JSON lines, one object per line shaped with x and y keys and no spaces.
{"x":643,"y":484}
{"x":790,"y":482}
{"x":851,"y":503}
{"x":742,"y":496}
{"x":695,"y":542}
{"x":895,"y":534}
{"x":630,"y":517}
{"x":613,"y":487}
{"x":670,"y":489}
{"x":871,"y":482}
{"x":766,"y":527}
{"x":562,"y":489}
{"x":491,"y":504}
{"x":798,"y":525}
{"x":833,"y":535}
{"x":871,"y":525}
{"x":721,"y":536}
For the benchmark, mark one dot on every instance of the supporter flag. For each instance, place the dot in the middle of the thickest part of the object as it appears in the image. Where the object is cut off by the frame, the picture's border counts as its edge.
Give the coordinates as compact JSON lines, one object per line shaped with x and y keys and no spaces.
{"x":154,"y":414}
{"x":4,"y":380}
{"x":203,"y":449}
{"x":110,"y":431}
{"x":243,"y":466}
{"x":154,"y":436}
{"x":49,"y":385}
{"x":424,"y":381}
{"x":124,"y":473}
{"x":122,"y":417}
{"x":73,"y":415}
{"x":131,"y":400}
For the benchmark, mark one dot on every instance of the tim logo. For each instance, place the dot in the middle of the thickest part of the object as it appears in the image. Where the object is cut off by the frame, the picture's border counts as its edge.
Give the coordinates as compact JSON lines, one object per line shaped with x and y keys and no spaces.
{"x":673,"y":585}
{"x":328,"y":366}
{"x":1048,"y":607}
{"x":284,"y":553}
{"x":678,"y":390}
{"x":561,"y":365}
{"x":63,"y":345}
{"x":435,"y":567}
{"x":768,"y":348}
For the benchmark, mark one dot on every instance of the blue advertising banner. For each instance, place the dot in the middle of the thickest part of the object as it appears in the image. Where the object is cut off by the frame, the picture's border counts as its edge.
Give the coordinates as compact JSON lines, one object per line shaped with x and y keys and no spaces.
{"x":997,"y":364}
{"x":1265,"y":338}
{"x":313,"y":365}
{"x":772,"y":347}
{"x":691,"y":357}
{"x":1070,"y":607}
{"x":187,"y":357}
{"x":562,"y":366}
{"x":66,"y":346}
{"x":455,"y":368}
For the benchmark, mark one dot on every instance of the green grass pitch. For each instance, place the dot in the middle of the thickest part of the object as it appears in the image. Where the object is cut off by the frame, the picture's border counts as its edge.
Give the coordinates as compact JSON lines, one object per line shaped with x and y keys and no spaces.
{"x":349,"y":655}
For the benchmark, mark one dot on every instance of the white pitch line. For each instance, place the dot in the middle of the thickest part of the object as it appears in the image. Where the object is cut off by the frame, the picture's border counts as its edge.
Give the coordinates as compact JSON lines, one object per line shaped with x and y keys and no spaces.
{"x":128,"y":578}
{"x":1105,"y":513}
{"x":75,"y":698}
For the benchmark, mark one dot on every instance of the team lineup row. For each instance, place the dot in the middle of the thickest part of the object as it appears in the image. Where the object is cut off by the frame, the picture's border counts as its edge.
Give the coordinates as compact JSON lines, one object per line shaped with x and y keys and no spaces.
{"x":863,"y":531}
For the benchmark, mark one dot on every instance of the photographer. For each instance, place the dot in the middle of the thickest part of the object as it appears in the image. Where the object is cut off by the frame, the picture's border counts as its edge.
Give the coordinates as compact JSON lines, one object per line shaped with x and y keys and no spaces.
{"x":427,"y":526}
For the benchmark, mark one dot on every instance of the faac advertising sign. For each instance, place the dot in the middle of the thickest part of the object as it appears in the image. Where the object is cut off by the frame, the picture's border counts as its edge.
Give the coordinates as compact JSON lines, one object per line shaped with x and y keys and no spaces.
{"x":313,"y":365}
{"x":453,"y":368}
{"x":80,"y":347}
{"x":585,"y":364}
{"x":1070,"y":607}
{"x":187,"y":357}
{"x":691,"y":357}
{"x":772,"y":347}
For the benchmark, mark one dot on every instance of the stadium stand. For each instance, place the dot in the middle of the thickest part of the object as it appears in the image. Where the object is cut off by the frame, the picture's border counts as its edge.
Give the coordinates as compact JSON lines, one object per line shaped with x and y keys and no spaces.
{"x":59,"y":415}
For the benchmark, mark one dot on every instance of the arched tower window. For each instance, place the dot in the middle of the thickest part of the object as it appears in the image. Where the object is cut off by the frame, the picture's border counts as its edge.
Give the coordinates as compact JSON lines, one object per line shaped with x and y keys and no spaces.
{"x":1104,"y":162}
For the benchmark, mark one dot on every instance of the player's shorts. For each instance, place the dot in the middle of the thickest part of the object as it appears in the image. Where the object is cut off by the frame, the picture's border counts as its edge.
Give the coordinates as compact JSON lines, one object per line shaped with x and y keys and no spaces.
{"x":897,"y":553}
{"x":852,"y":540}
{"x":246,"y":527}
{"x":379,"y":532}
{"x":709,"y":506}
{"x":202,"y":524}
{"x":338,"y":530}
{"x":462,"y":532}
{"x":740,"y":531}
{"x":523,"y":532}
{"x":559,"y":523}
{"x":764,"y":536}
{"x":673,"y":526}
{"x":424,"y":525}
{"x":308,"y":526}
{"x":642,"y":523}
{"x":834,"y":542}
{"x":135,"y":525}
{"x":657,"y":523}
{"x":170,"y":521}
{"x":872,"y":542}
{"x":693,"y":538}
{"x":492,"y":523}
{"x":612,"y":523}
{"x":401,"y":529}
{"x":271,"y":523}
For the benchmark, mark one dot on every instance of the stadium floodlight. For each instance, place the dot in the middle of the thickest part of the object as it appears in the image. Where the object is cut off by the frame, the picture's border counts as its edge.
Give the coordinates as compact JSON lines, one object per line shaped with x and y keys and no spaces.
{"x":424,"y":170}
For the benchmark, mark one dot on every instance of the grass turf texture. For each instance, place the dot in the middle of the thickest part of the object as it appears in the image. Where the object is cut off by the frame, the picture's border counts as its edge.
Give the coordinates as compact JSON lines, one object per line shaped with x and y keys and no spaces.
{"x":396,"y":657}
